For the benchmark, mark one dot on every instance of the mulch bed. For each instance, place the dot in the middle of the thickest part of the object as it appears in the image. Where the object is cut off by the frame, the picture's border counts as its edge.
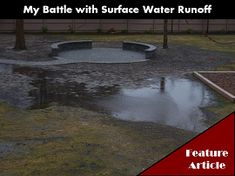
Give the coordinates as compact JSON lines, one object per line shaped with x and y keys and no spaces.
{"x":224,"y":80}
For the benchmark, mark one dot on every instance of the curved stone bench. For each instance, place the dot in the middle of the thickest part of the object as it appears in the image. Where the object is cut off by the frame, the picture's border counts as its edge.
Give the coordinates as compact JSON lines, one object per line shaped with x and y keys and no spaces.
{"x":70,"y":45}
{"x":148,"y":49}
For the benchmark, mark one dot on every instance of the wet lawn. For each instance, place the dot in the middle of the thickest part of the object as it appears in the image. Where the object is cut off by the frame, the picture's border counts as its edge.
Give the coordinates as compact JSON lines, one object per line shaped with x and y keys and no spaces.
{"x":71,"y":141}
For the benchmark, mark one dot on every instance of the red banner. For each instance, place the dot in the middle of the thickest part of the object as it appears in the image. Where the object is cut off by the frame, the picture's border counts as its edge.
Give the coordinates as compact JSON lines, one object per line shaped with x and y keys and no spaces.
{"x":210,"y":153}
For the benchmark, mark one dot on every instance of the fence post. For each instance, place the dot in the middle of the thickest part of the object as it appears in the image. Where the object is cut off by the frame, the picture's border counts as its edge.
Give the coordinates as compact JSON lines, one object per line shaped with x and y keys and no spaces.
{"x":172,"y":25}
{"x":178,"y":25}
{"x":153,"y":25}
{"x":73,"y":25}
{"x":100,"y":25}
{"x":127,"y":25}
{"x":207,"y":27}
{"x":202,"y":21}
{"x":226,"y":25}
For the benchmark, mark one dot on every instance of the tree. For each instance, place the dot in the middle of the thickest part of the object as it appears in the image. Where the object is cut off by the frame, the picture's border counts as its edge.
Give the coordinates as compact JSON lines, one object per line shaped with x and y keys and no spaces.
{"x":207,"y":27}
{"x":165,"y":37}
{"x":20,"y":40}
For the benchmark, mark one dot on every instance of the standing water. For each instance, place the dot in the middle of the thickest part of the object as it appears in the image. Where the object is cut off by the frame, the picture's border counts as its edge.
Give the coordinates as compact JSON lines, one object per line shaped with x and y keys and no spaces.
{"x":176,"y":103}
{"x":171,"y":100}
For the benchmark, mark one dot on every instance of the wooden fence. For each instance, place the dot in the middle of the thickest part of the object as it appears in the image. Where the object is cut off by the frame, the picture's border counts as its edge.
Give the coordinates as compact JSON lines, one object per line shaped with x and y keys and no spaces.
{"x":121,"y":25}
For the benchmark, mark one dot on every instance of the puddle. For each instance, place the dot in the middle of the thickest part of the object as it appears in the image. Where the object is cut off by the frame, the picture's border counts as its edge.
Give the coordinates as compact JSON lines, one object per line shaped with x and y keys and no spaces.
{"x":14,"y":88}
{"x":177,"y":104}
{"x":171,"y":100}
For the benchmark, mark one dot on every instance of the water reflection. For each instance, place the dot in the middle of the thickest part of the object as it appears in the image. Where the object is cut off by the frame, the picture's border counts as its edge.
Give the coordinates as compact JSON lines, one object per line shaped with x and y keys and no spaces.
{"x":41,"y":98}
{"x":170,"y":100}
{"x":162,"y":84}
{"x":177,"y":104}
{"x":69,"y":94}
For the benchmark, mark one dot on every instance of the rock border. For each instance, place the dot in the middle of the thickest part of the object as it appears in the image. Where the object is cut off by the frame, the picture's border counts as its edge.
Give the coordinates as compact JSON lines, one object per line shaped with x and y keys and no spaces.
{"x":214,"y":86}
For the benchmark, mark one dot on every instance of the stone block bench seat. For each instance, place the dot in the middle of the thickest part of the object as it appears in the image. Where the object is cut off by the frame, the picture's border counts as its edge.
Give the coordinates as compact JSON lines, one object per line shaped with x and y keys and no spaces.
{"x":70,"y":45}
{"x":148,"y":49}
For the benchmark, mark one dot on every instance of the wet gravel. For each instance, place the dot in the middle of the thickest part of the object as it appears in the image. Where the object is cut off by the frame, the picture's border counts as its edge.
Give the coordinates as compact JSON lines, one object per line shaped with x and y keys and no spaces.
{"x":14,"y":89}
{"x":177,"y":61}
{"x":177,"y":57}
{"x":38,"y":48}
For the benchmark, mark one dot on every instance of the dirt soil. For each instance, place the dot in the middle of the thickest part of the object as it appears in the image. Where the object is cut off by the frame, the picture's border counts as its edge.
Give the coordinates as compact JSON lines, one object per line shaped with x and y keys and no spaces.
{"x":223,"y":80}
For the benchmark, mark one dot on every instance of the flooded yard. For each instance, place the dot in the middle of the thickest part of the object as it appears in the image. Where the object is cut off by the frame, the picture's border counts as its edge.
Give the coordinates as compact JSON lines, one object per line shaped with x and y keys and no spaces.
{"x":168,"y":100}
{"x":107,"y":119}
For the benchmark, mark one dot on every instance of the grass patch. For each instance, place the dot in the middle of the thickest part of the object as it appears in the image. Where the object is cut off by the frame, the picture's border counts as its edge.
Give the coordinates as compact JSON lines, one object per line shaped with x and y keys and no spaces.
{"x":71,"y":141}
{"x":222,"y":109}
{"x":227,"y":67}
